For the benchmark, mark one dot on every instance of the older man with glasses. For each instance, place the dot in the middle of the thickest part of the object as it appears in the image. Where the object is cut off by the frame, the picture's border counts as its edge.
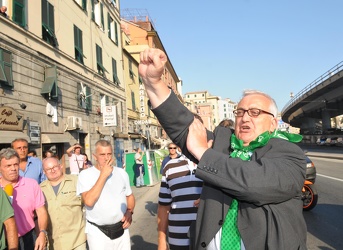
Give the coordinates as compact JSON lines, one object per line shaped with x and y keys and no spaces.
{"x":66,"y":229}
{"x":252,"y":178}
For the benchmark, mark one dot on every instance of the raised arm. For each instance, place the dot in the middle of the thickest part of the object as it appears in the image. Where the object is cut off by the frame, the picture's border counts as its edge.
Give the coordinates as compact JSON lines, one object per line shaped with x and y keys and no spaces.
{"x":151,"y":67}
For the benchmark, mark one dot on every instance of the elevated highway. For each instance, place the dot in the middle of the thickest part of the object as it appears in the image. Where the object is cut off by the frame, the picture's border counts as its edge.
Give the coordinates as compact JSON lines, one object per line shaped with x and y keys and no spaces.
{"x":311,"y":108}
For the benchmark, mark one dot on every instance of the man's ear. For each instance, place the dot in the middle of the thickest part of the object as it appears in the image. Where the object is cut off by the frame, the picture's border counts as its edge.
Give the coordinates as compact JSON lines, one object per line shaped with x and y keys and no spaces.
{"x":274,"y":124}
{"x":95,"y":157}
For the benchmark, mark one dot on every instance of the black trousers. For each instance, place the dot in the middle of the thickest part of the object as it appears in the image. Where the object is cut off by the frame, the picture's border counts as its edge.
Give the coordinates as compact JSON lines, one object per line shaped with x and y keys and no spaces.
{"x":27,"y":241}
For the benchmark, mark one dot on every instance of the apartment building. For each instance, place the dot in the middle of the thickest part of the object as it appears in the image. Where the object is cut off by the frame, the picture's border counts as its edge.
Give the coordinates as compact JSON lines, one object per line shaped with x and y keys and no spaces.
{"x":226,"y":108}
{"x":139,"y":33}
{"x":62,"y":78}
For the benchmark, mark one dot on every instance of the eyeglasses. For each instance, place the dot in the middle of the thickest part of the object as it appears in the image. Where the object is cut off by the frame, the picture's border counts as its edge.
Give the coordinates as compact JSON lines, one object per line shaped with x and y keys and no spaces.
{"x":172,"y":148}
{"x":53,"y":168}
{"x":251,"y":112}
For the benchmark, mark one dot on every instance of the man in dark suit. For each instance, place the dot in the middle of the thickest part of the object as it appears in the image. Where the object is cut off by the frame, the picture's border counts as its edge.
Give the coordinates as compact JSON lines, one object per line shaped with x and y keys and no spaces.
{"x":252,"y":179}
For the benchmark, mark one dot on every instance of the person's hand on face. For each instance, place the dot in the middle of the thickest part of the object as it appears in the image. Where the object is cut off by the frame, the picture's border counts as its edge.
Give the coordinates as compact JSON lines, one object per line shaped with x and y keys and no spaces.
{"x":107,"y":168}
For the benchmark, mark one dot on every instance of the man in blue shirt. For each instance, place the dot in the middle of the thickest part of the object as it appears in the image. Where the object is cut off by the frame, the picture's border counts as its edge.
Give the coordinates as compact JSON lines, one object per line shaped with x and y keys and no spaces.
{"x":30,"y":167}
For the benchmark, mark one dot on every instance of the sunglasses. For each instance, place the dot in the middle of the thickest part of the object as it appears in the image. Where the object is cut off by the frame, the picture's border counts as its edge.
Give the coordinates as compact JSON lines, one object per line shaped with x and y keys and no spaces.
{"x":172,"y":148}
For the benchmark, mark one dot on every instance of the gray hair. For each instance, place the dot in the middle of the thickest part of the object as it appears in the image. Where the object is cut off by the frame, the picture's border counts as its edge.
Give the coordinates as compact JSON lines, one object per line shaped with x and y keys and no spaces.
{"x":19,"y":139}
{"x":102,"y":143}
{"x":272,"y":108}
{"x":8,"y":153}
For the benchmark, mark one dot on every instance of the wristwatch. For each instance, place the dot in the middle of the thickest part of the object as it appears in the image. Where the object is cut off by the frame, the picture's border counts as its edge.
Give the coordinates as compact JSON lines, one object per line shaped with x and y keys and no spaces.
{"x":44,"y":231}
{"x":130,"y":210}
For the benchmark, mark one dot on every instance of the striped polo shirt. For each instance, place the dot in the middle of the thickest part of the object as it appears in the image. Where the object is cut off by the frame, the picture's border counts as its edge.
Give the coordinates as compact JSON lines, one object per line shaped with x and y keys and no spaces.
{"x":179,"y":189}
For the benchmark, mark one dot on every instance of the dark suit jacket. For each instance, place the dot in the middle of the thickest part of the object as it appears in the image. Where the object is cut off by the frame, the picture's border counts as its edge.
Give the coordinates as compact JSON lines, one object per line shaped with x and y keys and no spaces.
{"x":268,"y":187}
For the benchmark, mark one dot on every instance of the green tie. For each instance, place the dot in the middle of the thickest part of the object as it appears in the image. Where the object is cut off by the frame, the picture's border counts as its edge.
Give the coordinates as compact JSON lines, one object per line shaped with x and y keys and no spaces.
{"x":231,"y":238}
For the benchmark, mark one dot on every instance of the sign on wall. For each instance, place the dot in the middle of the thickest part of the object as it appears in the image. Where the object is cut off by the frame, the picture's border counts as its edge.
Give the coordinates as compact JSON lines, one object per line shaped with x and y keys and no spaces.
{"x":34,"y":132}
{"x":109,"y":116}
{"x":10,"y":119}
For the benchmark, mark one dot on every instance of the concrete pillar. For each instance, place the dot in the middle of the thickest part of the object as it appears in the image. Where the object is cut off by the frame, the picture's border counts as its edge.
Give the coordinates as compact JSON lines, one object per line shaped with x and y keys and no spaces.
{"x":326,"y":121}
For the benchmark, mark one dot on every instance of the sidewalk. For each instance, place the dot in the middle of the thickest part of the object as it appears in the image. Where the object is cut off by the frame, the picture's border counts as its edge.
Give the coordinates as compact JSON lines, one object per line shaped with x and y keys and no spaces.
{"x":322,"y":151}
{"x":140,"y":192}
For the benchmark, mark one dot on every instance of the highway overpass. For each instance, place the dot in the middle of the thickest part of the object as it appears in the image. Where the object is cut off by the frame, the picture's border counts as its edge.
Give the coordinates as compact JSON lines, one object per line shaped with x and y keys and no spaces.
{"x":311,"y":109}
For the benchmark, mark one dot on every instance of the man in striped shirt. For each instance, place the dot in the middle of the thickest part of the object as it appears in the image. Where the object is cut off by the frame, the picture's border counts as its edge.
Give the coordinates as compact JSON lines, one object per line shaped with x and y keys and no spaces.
{"x":177,"y":205}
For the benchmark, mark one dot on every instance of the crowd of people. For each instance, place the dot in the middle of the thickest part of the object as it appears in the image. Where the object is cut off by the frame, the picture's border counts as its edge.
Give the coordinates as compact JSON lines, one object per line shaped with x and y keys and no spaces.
{"x":45,"y":208}
{"x":237,"y":187}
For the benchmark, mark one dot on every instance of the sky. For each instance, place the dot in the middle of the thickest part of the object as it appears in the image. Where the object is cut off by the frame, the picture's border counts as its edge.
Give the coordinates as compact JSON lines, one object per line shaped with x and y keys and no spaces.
{"x":227,"y":46}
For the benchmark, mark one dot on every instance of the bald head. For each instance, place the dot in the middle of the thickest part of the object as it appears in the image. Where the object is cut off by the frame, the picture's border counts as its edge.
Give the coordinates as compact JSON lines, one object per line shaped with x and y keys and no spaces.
{"x":53,"y":169}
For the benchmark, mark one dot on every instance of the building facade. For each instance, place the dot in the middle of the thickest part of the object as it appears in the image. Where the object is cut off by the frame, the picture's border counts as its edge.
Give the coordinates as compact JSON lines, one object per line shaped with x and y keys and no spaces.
{"x":63,"y":61}
{"x":139,"y":33}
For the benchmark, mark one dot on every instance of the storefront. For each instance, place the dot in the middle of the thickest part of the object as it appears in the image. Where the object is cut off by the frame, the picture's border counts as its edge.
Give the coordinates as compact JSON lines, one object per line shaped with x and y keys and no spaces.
{"x":11,"y":126}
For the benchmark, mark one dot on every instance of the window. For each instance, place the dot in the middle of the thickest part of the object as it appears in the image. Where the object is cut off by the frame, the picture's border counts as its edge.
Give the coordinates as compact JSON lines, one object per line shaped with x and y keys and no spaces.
{"x":50,"y":89}
{"x":102,"y":16}
{"x":84,"y":96}
{"x":48,"y":23}
{"x":97,"y":13}
{"x":78,"y":45}
{"x":114,"y":71}
{"x":133,"y":101}
{"x":101,"y":69}
{"x":82,"y":4}
{"x":104,"y":101}
{"x":112,"y":29}
{"x":6,"y":68}
{"x":19,"y":12}
{"x":131,"y":71}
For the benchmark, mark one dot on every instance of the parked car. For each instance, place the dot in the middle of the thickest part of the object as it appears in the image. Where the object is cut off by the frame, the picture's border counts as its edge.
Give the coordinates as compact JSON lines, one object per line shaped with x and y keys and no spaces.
{"x":311,"y":171}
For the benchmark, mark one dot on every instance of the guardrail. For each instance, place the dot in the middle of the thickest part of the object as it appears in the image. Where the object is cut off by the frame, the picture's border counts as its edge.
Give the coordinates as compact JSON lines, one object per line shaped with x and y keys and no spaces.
{"x":335,"y":69}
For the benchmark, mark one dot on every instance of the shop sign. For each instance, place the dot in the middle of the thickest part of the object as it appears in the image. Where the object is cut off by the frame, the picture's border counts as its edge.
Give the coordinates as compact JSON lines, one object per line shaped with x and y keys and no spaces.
{"x":10,"y":119}
{"x":109,"y":116}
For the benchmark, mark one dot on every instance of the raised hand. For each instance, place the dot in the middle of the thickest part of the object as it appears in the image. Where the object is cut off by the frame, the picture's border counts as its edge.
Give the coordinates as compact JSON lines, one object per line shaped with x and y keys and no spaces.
{"x":151,"y":65}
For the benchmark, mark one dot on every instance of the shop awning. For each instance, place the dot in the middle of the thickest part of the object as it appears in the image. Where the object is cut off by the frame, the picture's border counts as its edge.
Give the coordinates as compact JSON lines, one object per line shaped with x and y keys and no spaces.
{"x":120,"y":135}
{"x":8,"y":136}
{"x":56,"y":138}
{"x":135,"y":136}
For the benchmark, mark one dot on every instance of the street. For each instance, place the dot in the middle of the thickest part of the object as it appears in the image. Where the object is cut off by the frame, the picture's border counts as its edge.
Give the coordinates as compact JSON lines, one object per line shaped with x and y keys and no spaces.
{"x":324,"y":222}
{"x":143,"y":230}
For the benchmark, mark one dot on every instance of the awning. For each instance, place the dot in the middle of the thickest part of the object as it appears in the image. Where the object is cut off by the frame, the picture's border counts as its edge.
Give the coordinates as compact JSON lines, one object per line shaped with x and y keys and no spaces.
{"x":56,"y":138}
{"x":135,"y":136}
{"x":156,"y":141}
{"x":120,"y":135}
{"x":9,"y":136}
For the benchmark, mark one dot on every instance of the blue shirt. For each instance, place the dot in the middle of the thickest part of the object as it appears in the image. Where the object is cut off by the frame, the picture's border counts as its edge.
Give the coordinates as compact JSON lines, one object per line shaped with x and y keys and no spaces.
{"x":34,"y":170}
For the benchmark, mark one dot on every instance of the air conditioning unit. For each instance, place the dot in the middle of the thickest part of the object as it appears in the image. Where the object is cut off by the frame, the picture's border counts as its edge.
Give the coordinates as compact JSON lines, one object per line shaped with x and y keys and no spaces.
{"x":74,"y":122}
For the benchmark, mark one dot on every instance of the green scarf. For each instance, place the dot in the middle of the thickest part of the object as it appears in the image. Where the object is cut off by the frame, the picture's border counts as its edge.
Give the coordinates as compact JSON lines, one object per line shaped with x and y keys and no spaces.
{"x":239,"y":151}
{"x":231,"y":238}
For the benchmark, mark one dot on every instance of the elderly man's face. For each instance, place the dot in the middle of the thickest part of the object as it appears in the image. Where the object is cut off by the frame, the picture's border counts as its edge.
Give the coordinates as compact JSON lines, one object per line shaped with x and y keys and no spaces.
{"x":248,"y":128}
{"x":52,"y":169}
{"x":9,"y":169}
